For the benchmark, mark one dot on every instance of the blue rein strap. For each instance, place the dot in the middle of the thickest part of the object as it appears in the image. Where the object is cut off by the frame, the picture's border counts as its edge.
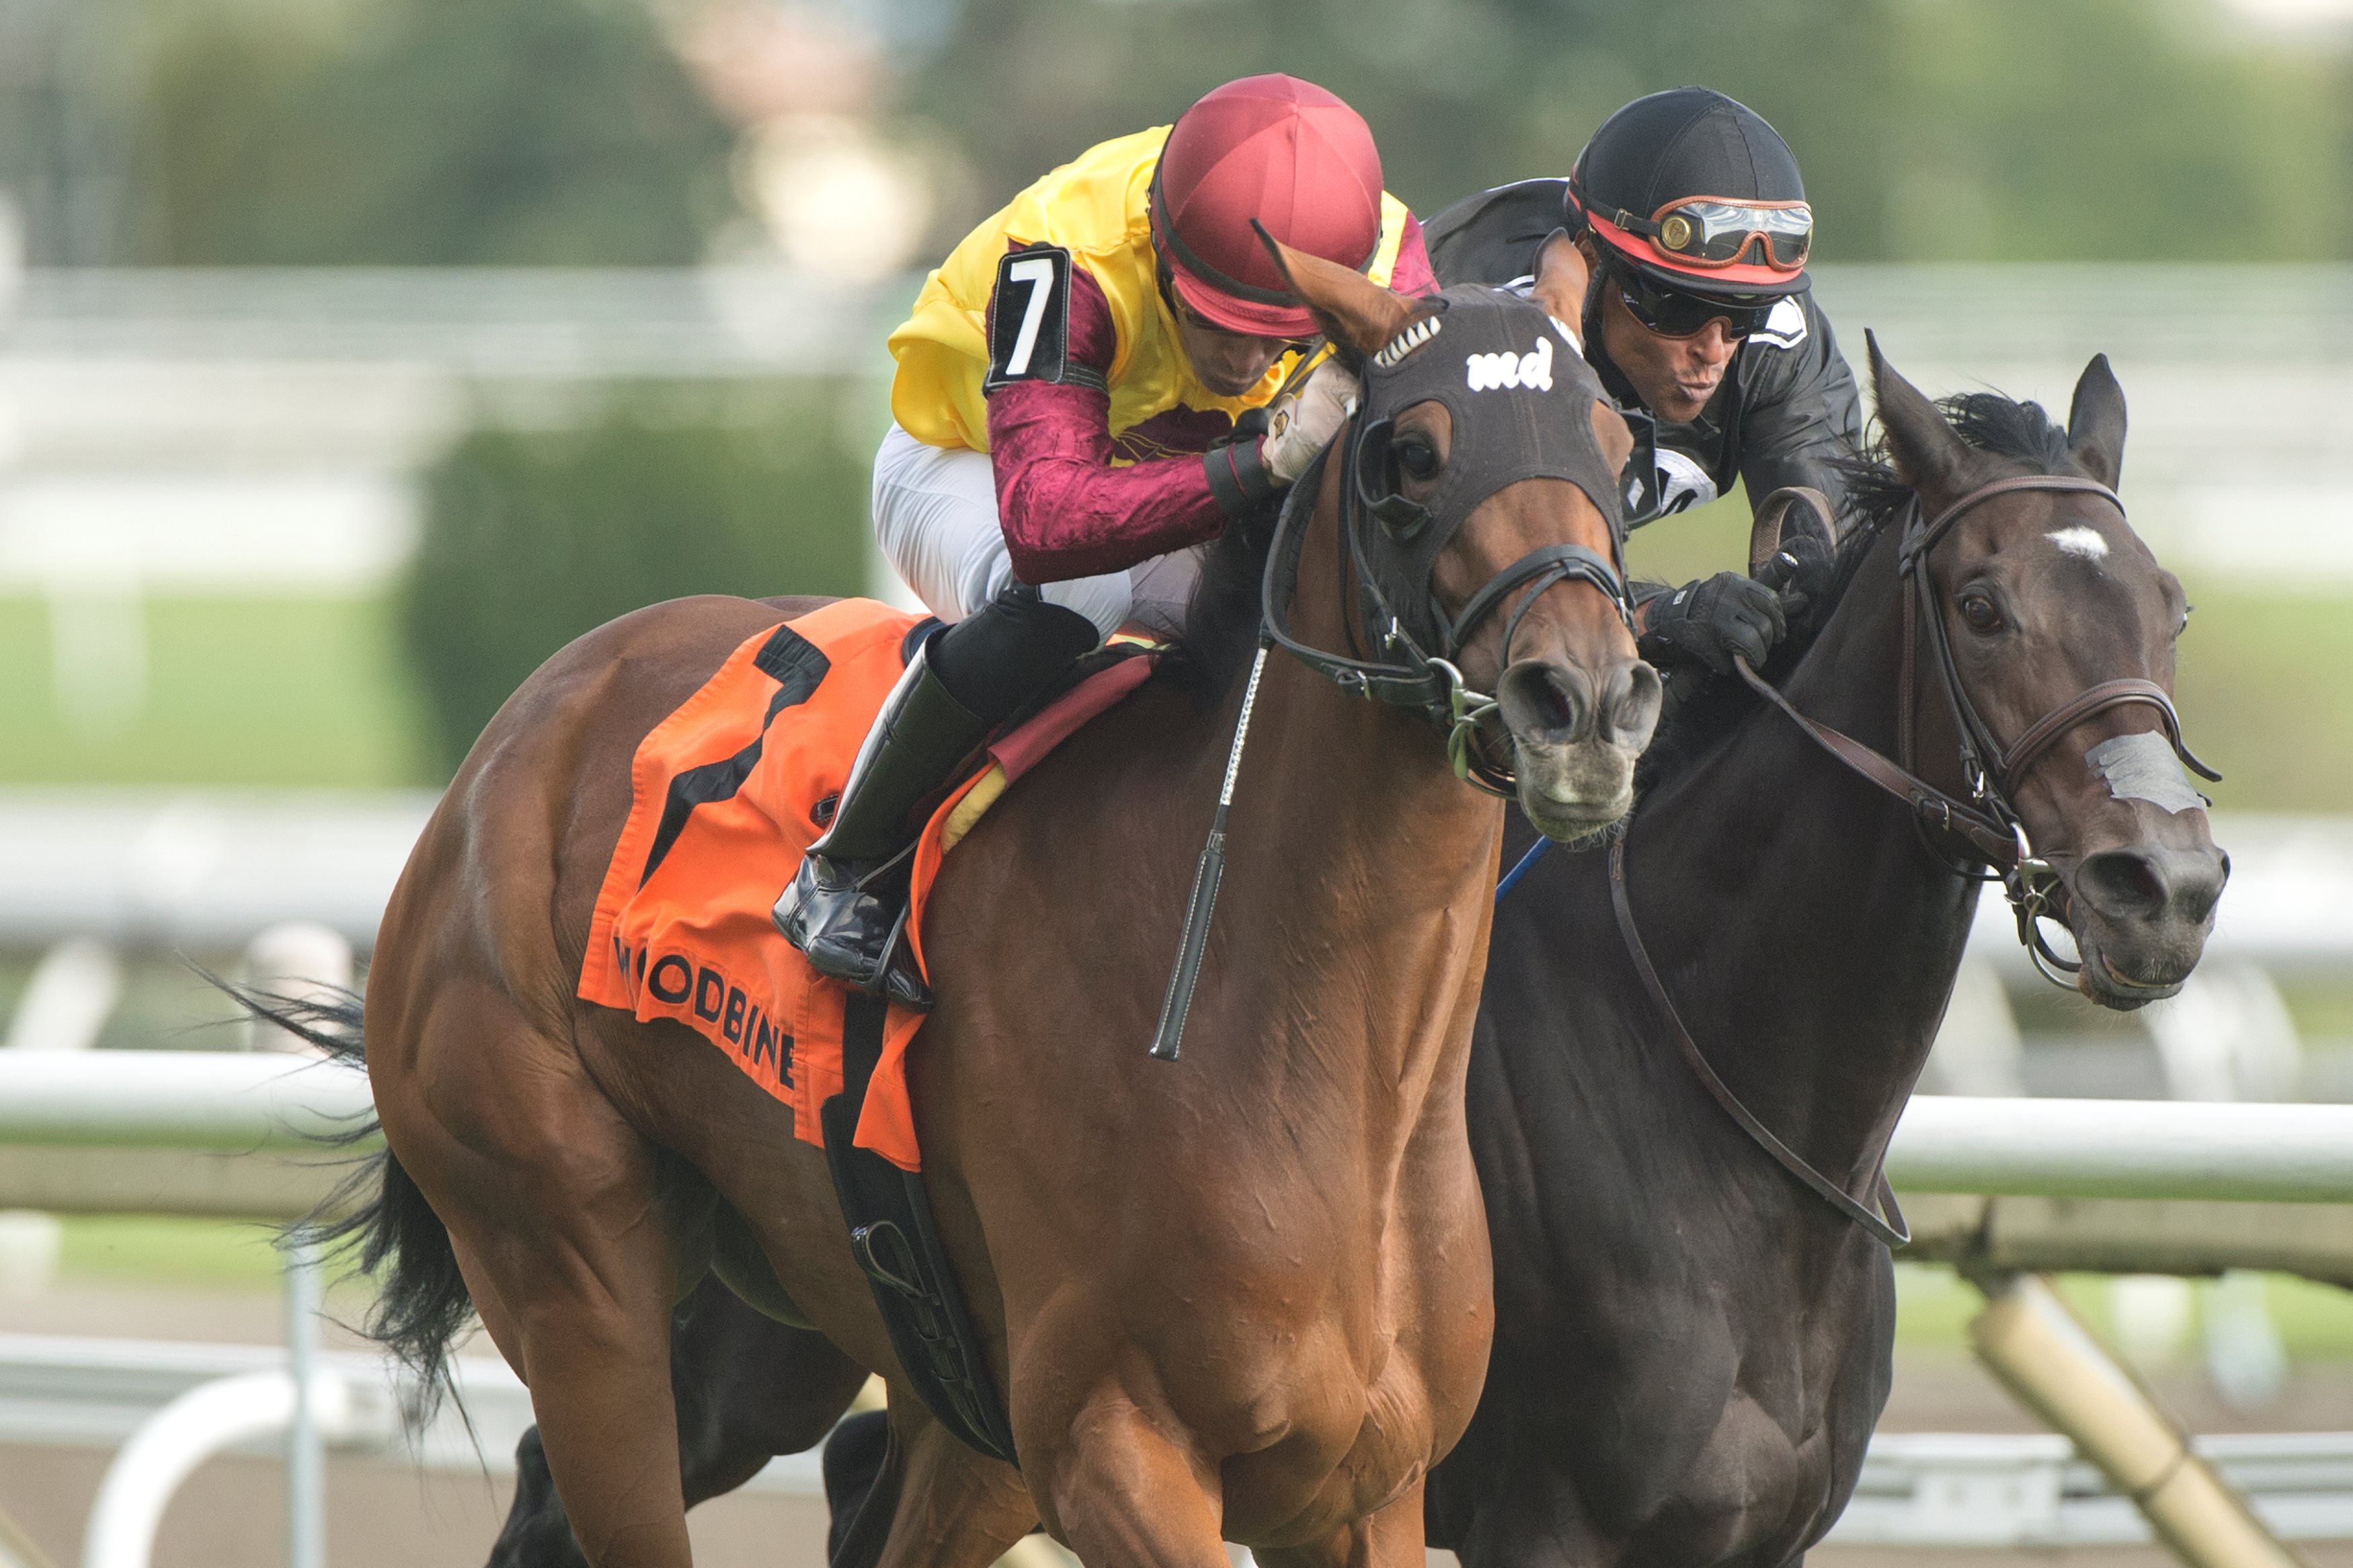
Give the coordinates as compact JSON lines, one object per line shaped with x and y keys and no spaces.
{"x":1512,"y":878}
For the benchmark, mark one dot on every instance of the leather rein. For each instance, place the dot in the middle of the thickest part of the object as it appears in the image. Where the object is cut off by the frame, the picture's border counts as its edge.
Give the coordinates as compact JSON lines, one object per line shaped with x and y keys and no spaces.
{"x":1988,"y":824}
{"x":1431,"y":684}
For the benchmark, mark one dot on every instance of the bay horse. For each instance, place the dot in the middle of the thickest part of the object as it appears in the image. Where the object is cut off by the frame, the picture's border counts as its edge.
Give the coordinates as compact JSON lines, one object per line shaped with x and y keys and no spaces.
{"x":1691,"y":1349}
{"x":1246,"y":1296}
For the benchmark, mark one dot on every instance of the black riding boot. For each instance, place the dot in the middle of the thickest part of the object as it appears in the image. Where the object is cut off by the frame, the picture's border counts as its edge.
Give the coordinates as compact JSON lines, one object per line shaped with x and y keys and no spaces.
{"x":849,"y":903}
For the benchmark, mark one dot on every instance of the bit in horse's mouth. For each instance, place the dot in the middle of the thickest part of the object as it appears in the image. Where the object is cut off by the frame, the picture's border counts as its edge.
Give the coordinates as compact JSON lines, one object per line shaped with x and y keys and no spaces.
{"x":2121,"y":991}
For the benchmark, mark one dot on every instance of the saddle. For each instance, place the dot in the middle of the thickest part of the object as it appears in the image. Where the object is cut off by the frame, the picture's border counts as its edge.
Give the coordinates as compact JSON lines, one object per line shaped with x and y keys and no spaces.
{"x":726,"y":794}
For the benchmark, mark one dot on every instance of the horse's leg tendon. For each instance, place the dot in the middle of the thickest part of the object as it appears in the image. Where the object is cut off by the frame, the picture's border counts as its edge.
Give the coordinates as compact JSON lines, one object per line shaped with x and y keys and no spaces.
{"x":1126,"y":1492}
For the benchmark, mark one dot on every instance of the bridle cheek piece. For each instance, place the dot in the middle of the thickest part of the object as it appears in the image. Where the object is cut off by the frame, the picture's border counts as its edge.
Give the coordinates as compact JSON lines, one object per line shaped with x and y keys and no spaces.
{"x":1534,"y":423}
{"x":1988,"y":823}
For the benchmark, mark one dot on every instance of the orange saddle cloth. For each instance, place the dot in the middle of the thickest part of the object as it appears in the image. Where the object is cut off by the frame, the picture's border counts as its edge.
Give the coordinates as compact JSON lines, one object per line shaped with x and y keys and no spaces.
{"x":722,"y":800}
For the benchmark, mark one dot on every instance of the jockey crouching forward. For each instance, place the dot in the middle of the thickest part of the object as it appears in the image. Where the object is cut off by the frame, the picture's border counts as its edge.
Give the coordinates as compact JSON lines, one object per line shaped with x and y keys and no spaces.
{"x":1069,"y":427}
{"x":1700,"y":321}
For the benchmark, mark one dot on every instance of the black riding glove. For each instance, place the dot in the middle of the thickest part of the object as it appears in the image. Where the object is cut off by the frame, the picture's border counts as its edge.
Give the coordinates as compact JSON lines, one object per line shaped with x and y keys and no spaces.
{"x":1712,"y":619}
{"x":1802,"y":570}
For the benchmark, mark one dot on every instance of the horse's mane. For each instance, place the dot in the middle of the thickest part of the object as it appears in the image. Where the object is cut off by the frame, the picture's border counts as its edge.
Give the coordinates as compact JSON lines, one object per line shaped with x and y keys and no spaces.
{"x":1876,"y":497}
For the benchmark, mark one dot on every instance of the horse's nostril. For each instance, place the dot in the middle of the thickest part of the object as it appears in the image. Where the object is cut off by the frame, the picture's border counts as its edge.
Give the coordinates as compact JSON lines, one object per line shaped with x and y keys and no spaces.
{"x":1630,"y":712}
{"x":2122,"y":885}
{"x":1545,"y":703}
{"x":2151,"y":884}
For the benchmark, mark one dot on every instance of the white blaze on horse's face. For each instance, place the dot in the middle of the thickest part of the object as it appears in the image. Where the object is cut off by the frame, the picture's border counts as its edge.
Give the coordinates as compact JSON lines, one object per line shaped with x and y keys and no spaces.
{"x":1484,"y":372}
{"x":2088,"y":543}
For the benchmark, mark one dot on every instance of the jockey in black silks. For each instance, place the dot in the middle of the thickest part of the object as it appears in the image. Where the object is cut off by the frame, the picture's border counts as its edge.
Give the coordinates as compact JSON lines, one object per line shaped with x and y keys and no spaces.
{"x":1700,"y":321}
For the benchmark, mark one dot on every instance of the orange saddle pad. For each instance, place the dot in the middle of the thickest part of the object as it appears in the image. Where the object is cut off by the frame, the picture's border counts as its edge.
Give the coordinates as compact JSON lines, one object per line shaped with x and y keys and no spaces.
{"x":723,"y":796}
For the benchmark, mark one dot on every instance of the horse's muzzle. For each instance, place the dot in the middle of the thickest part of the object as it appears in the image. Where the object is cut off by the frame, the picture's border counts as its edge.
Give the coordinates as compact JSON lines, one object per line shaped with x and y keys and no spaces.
{"x":2140,"y":915}
{"x":1576,"y":734}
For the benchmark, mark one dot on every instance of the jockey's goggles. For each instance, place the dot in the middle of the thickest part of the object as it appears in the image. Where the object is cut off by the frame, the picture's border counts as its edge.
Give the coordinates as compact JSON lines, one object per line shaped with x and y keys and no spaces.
{"x":1673,"y":313}
{"x":1184,"y":312}
{"x":1714,"y":231}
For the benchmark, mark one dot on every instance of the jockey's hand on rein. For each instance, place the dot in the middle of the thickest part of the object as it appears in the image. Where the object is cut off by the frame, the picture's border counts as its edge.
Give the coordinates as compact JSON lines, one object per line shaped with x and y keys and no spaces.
{"x":1801,"y":572}
{"x":1301,"y":424}
{"x":1710,"y":620}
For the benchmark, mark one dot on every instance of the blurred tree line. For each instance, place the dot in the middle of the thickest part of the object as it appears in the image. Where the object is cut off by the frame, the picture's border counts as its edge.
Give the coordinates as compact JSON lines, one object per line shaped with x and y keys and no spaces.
{"x":569,"y":132}
{"x":533,"y":537}
{"x":300,"y":132}
{"x":1928,"y":130}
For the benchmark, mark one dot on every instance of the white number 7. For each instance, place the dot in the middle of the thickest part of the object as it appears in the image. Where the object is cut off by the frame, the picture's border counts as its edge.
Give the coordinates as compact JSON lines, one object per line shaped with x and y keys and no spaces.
{"x":1037,"y":271}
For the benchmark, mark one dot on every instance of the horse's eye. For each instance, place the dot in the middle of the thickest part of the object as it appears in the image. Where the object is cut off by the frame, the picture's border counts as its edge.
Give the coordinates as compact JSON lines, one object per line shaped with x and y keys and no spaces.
{"x":1417,"y":458}
{"x":1979,"y":611}
{"x":2187,"y":610}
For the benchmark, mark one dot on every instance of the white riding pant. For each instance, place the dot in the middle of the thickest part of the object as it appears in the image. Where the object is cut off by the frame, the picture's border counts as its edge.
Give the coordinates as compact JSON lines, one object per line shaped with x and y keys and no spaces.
{"x":935,"y":517}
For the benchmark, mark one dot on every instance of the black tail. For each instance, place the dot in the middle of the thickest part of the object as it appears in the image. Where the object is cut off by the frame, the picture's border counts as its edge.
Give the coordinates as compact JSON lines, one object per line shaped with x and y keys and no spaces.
{"x":376,"y":1216}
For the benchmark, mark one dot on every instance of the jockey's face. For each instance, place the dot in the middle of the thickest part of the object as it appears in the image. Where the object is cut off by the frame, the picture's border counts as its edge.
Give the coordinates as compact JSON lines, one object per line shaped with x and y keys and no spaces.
{"x":1674,"y":377}
{"x":1228,"y":363}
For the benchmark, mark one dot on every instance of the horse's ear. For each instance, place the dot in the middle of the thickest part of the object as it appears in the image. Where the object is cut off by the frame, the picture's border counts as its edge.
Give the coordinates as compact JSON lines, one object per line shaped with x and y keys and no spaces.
{"x":1929,"y":455}
{"x":1350,"y":307}
{"x":1562,"y":274}
{"x":1610,"y":430}
{"x":2096,"y":423}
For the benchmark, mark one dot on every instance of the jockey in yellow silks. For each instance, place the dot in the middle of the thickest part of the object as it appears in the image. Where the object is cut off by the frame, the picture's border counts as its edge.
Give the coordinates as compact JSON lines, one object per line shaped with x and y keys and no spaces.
{"x":1074,"y":417}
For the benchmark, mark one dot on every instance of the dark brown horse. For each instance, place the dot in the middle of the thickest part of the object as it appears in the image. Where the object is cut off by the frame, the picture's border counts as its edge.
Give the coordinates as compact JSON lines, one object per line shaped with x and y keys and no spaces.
{"x":1691,"y":1349}
{"x":1244,"y":1296}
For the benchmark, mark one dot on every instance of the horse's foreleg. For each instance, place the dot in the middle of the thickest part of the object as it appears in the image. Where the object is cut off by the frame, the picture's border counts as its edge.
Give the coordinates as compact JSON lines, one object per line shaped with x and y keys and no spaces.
{"x":954,"y":1508}
{"x":1391,"y":1537}
{"x":1127,"y":1491}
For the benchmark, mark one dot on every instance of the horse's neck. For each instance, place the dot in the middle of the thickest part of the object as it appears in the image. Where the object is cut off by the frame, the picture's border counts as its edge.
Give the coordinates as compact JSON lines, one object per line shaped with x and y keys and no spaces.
{"x":1819,"y":1012}
{"x":1359,"y":880}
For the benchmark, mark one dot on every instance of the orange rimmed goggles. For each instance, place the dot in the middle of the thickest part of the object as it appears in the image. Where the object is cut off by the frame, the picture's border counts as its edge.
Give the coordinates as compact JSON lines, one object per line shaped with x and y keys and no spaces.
{"x":1717,"y":231}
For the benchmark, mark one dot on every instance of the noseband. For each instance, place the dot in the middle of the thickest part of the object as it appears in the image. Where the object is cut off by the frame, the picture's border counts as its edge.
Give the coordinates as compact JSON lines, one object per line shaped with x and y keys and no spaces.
{"x":1988,"y":823}
{"x":1377,"y":524}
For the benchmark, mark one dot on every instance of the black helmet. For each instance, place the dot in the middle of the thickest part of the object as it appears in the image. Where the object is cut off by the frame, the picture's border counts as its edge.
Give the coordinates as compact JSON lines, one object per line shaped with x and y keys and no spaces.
{"x":1699,"y":194}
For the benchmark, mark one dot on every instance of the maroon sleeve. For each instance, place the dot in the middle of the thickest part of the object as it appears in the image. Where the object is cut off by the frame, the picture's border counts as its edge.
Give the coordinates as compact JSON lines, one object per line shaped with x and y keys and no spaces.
{"x":1412,"y":274}
{"x":1066,"y":511}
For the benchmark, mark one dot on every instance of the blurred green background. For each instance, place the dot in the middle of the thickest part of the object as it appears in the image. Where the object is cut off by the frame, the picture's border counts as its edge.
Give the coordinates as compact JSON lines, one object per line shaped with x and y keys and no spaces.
{"x":624,"y":134}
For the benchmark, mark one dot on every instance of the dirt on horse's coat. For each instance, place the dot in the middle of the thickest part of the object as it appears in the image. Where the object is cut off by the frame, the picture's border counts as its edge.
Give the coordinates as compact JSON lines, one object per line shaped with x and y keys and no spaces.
{"x":725,"y":796}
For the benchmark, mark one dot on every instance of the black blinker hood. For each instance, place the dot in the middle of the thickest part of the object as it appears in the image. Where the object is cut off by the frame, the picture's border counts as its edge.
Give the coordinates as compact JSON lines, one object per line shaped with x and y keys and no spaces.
{"x":1498,"y":353}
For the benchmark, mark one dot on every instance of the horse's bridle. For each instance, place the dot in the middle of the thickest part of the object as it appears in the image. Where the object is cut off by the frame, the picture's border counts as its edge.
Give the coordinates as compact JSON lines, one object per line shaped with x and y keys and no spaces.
{"x":1431,"y":684}
{"x":1988,"y":823}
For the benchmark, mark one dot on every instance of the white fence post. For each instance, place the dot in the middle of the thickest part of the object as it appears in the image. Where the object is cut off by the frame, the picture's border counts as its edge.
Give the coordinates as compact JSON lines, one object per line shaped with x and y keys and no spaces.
{"x":74,"y":990}
{"x":306,"y":1448}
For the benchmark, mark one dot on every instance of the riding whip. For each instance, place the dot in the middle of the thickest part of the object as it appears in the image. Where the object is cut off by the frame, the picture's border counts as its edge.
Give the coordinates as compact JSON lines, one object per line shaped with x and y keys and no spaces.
{"x":1169,"y":1037}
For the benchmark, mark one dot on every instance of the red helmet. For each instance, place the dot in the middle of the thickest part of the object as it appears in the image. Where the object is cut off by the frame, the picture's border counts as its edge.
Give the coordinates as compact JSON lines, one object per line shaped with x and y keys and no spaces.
{"x":1279,"y":150}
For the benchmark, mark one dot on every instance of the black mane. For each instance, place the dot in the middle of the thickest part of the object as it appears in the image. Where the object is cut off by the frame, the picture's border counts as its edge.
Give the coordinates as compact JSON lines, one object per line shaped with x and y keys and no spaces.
{"x":1876,"y":497}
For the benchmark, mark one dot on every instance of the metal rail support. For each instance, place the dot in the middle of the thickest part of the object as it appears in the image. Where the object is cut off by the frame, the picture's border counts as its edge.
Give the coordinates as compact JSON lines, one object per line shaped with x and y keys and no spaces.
{"x":306,"y":1448}
{"x":2046,"y":1357}
{"x":194,"y":1428}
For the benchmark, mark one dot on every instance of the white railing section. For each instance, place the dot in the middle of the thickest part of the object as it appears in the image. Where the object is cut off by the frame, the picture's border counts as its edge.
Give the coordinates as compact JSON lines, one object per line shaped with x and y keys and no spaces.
{"x":2046,"y":1148}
